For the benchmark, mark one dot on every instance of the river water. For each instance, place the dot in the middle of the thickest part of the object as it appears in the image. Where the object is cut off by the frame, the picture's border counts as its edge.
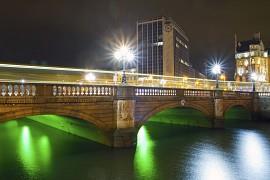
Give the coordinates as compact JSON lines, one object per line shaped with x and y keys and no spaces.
{"x":29,"y":150}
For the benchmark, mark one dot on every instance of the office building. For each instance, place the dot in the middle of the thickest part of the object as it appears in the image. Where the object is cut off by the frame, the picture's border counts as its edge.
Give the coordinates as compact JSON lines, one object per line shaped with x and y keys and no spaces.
{"x":163,"y":48}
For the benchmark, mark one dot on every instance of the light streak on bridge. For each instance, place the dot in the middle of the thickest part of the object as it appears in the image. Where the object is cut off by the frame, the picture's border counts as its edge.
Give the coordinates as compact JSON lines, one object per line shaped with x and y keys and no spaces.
{"x":76,"y":76}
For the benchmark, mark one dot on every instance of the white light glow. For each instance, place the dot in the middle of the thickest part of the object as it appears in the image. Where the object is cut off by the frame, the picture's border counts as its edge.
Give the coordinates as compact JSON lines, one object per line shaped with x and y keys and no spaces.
{"x":163,"y":81}
{"x":216,"y":69}
{"x":254,"y":76}
{"x":253,"y":155}
{"x":124,"y":54}
{"x":90,"y":77}
{"x":210,"y":164}
{"x":240,"y":71}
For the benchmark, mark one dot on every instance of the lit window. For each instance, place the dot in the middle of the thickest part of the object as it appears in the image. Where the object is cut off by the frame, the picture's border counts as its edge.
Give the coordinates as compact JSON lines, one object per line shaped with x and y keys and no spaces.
{"x":158,"y":44}
{"x":246,"y":54}
{"x":246,"y":63}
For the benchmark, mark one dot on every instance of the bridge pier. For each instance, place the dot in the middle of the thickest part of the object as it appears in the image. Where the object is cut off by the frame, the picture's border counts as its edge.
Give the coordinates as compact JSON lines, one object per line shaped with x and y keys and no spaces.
{"x":125,"y":134}
{"x":218,"y":120}
{"x":124,"y":137}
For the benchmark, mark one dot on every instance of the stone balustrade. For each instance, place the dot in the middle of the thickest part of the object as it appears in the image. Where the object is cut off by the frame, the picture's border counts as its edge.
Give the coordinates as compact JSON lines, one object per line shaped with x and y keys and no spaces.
{"x":82,"y":90}
{"x":8,"y":89}
{"x":155,"y":92}
{"x":197,"y":93}
{"x":264,"y":94}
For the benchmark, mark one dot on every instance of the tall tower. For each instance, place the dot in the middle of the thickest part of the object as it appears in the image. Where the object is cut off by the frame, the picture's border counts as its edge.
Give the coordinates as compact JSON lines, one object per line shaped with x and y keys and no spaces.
{"x":251,"y":57}
{"x":163,"y":48}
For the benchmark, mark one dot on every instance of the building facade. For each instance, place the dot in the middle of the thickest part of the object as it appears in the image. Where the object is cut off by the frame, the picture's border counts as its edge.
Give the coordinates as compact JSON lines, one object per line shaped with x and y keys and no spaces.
{"x":163,"y":48}
{"x":251,"y":58}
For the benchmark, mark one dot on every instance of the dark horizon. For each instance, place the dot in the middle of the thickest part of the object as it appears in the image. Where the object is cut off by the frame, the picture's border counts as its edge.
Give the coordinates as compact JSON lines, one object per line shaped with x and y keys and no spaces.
{"x":81,"y":34}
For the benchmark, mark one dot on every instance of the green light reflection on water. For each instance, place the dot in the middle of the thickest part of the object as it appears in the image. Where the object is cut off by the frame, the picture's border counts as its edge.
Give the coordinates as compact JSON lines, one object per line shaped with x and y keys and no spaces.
{"x":144,"y":157}
{"x":11,"y":124}
{"x":26,"y":151}
{"x":45,"y":151}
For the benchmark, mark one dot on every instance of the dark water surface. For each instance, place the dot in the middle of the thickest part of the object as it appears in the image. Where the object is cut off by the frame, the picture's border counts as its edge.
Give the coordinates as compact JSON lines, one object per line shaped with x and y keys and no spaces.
{"x":29,"y":150}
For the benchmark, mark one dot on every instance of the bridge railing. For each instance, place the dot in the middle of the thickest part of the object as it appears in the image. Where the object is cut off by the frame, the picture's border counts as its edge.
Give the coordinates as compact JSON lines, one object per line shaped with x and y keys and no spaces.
{"x":83,"y":90}
{"x":37,"y":89}
{"x":16,"y":89}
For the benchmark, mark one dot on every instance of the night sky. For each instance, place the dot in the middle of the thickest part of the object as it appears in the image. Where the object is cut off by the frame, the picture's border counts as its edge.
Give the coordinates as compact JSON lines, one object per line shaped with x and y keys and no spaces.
{"x":81,"y":33}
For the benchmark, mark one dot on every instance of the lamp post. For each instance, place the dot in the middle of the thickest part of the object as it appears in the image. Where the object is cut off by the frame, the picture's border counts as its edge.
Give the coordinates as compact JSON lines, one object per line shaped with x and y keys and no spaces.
{"x":124,"y":54}
{"x":253,"y":78}
{"x":216,"y":70}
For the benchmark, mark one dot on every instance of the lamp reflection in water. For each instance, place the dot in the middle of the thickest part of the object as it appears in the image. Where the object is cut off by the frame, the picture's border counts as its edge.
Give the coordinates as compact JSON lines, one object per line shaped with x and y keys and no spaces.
{"x":209,"y":164}
{"x":144,"y":158}
{"x":253,"y":154}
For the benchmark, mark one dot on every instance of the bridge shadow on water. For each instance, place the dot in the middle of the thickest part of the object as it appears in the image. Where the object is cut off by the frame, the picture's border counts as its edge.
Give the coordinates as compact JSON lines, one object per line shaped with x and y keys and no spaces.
{"x":237,"y":117}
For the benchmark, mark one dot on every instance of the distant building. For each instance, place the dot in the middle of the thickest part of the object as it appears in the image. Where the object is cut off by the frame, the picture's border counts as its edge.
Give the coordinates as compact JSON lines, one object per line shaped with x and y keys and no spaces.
{"x":163,"y":48}
{"x":251,"y":57}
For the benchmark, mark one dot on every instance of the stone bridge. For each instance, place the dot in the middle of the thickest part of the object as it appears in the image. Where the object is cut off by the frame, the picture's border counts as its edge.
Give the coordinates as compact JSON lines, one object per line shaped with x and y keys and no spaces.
{"x":119,"y":111}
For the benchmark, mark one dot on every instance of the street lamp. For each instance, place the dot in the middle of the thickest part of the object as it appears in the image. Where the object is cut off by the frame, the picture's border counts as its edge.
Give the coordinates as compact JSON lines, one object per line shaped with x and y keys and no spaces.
{"x":124,"y":54}
{"x":216,"y":70}
{"x":253,"y":78}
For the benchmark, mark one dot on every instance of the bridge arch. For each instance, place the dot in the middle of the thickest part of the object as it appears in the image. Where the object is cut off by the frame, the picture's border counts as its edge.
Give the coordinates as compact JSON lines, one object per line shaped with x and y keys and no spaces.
{"x":237,"y":111}
{"x":198,"y":107}
{"x":24,"y":112}
{"x":246,"y":106}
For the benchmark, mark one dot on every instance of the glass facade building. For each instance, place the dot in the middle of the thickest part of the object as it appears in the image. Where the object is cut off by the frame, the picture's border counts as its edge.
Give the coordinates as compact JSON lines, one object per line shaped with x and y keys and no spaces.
{"x":163,"y":48}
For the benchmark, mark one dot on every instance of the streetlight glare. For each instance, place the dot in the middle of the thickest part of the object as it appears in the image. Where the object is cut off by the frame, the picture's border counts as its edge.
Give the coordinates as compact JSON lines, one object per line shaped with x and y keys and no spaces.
{"x":124,"y":53}
{"x":216,"y":69}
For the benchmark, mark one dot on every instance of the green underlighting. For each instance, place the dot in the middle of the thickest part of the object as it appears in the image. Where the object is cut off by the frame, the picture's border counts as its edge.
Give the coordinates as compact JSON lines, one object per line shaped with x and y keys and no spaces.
{"x":181,"y":116}
{"x":144,"y":156}
{"x":44,"y":150}
{"x":27,"y":152}
{"x":73,"y":126}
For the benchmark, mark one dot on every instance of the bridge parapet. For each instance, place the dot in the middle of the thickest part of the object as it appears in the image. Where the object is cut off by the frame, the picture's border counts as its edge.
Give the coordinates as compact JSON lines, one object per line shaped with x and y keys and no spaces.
{"x":11,"y":89}
{"x":83,"y":90}
{"x":235,"y":94}
{"x":263,"y":94}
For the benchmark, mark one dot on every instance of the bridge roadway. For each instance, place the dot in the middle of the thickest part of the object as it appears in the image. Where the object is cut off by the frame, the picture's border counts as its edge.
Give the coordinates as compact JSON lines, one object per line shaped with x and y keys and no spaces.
{"x":119,"y":111}
{"x":55,"y":75}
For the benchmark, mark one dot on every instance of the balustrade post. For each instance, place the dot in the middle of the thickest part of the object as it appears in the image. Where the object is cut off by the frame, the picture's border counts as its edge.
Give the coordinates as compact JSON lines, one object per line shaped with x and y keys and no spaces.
{"x":125,"y":133}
